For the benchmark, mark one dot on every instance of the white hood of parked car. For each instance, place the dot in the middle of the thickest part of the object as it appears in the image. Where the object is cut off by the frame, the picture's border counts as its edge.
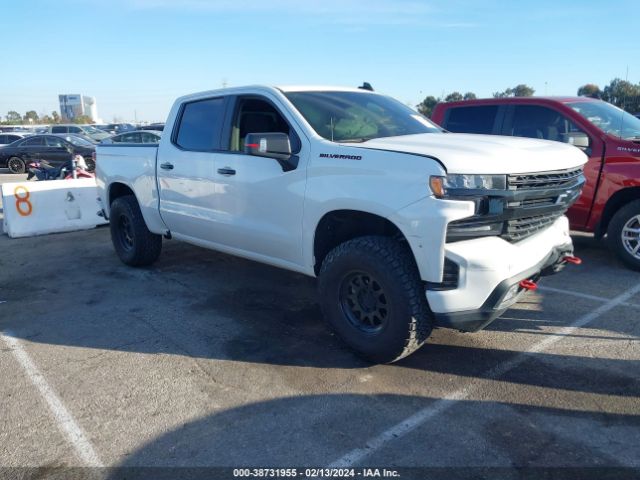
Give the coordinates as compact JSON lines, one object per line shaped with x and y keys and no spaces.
{"x":467,"y":153}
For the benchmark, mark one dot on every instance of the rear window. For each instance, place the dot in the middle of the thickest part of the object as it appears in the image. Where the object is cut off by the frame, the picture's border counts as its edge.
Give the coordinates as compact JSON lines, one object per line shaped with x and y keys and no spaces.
{"x":479,"y":119}
{"x":58,"y":129}
{"x":200,"y":125}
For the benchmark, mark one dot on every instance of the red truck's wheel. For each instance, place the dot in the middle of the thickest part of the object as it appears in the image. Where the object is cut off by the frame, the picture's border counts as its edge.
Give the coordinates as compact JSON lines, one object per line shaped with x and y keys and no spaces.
{"x":624,"y":234}
{"x":372,"y":296}
{"x":132,"y":240}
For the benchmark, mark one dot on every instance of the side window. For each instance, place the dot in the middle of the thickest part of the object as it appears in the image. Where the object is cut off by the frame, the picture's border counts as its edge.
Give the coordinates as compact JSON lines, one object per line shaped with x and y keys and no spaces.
{"x":12,"y":138}
{"x":4,"y":139}
{"x":54,"y":142}
{"x":148,"y":138}
{"x":477,"y":119}
{"x":200,"y":125}
{"x":254,"y":115}
{"x":34,"y":142}
{"x":129,"y":138}
{"x":58,"y":129}
{"x":535,"y":121}
{"x":75,"y":130}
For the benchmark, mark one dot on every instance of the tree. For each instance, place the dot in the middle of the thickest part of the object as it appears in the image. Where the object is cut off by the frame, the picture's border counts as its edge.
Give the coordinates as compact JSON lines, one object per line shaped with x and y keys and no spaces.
{"x":470,"y":96}
{"x":521,"y":90}
{"x":55,"y":117}
{"x":590,"y":90}
{"x":14,"y":117}
{"x":623,"y":94}
{"x":46,"y":119}
{"x":31,"y":117}
{"x":82,"y":119}
{"x":453,"y":97}
{"x":426,"y":106}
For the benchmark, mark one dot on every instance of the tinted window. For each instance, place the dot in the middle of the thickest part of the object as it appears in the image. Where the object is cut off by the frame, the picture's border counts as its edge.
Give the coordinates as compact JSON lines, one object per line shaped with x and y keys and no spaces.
{"x":479,"y":119}
{"x":54,"y":142}
{"x":541,"y":122}
{"x":34,"y":142}
{"x":12,"y":138}
{"x":200,"y":125}
{"x":129,"y":138}
{"x":149,"y":138}
{"x":75,"y":130}
{"x":58,"y":129}
{"x":4,"y":139}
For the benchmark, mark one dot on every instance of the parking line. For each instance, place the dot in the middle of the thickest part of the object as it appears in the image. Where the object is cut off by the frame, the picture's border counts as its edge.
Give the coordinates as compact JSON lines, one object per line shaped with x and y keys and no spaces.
{"x":440,"y":406}
{"x":595,"y":298}
{"x":65,"y":421}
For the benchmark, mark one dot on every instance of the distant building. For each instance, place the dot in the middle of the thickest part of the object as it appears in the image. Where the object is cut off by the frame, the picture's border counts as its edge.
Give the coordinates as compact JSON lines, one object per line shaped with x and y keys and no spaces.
{"x":75,"y":105}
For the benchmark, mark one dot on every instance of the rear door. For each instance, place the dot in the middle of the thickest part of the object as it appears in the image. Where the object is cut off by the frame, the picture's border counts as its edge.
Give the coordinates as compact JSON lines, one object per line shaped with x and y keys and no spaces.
{"x":186,"y":169}
{"x":31,"y":149}
{"x":548,"y":123}
{"x":55,"y":151}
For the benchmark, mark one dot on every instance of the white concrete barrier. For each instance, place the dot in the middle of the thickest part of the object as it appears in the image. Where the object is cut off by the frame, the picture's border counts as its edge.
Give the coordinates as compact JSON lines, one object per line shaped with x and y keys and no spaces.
{"x":38,"y":208}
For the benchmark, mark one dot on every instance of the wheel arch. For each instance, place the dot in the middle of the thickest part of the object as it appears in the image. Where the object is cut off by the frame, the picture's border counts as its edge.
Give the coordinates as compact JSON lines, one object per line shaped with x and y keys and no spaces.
{"x":338,"y":226}
{"x":616,"y":202}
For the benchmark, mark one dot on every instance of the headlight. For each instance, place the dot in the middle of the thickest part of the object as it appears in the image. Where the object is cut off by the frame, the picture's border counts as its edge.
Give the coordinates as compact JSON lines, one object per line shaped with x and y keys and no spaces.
{"x":442,"y":186}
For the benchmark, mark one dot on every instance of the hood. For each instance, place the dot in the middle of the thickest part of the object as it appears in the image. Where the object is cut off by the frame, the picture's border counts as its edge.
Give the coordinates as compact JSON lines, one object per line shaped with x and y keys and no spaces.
{"x":468,"y":153}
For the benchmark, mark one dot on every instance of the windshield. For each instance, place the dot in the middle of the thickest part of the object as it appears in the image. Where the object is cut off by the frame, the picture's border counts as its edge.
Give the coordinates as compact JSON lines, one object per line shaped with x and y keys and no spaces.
{"x":80,"y":142}
{"x":91,"y":129}
{"x":609,"y":118}
{"x":358,"y":116}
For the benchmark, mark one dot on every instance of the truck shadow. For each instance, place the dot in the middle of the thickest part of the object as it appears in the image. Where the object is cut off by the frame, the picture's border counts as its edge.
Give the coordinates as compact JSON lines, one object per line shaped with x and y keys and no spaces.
{"x":315,"y":430}
{"x":201,"y":304}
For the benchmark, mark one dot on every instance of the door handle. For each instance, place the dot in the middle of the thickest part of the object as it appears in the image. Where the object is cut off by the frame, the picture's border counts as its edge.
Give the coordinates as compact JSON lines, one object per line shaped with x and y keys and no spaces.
{"x":166,"y":166}
{"x":227,"y":171}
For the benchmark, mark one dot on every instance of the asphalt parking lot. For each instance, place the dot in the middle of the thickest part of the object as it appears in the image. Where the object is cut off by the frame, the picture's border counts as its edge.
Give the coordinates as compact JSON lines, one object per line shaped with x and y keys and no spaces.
{"x":209,"y":360}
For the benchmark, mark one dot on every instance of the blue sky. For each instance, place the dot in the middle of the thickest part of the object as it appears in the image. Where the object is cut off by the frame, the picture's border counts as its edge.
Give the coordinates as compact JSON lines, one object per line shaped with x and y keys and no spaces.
{"x":137,"y":56}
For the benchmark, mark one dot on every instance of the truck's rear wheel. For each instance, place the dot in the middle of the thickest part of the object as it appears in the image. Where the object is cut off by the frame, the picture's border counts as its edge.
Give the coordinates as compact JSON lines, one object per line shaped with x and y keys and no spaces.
{"x":373,"y":298}
{"x":132,"y":240}
{"x":624,"y":234}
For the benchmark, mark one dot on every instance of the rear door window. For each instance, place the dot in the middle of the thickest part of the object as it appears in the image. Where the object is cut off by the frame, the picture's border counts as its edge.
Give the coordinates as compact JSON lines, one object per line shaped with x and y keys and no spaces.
{"x":58,"y":129}
{"x":200,"y":125}
{"x":34,"y":142}
{"x":472,"y":119}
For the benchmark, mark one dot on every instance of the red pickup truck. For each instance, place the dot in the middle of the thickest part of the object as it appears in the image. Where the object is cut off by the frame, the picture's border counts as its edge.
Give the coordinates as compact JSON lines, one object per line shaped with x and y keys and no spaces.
{"x":610,"y":201}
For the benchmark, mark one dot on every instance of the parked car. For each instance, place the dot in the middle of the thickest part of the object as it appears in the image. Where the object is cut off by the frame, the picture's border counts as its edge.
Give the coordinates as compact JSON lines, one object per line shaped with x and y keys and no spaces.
{"x":405,"y":226}
{"x":116,"y":128}
{"x":138,"y":136}
{"x":54,"y":149}
{"x":88,"y":130}
{"x":610,"y":202}
{"x":10,"y":137}
{"x":158,"y":127}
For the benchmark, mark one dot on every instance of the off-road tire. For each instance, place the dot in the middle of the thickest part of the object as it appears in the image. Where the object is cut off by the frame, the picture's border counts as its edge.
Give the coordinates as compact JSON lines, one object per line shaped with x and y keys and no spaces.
{"x":390,"y":263}
{"x":16,"y":165}
{"x":615,"y":232}
{"x":132,"y":240}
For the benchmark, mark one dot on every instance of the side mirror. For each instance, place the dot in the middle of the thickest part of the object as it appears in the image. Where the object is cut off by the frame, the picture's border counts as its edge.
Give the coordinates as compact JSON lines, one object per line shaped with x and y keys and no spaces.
{"x":577,"y":139}
{"x":271,"y":145}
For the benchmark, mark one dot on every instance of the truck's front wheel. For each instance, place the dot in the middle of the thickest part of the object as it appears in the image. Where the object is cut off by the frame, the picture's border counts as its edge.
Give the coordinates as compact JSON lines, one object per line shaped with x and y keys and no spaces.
{"x":624,"y":234}
{"x":132,"y":240}
{"x":373,"y":298}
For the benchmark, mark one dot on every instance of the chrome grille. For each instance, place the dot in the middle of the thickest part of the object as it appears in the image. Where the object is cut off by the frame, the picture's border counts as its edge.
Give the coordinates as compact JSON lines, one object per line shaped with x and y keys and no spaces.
{"x":554,"y":179}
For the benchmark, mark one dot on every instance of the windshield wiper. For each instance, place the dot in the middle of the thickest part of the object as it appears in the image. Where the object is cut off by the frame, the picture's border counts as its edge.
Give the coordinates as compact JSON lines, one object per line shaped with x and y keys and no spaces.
{"x":354,"y":140}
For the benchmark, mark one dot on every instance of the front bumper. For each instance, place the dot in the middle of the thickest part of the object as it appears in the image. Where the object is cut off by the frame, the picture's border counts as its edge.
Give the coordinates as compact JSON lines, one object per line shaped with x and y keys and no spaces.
{"x":490,"y":272}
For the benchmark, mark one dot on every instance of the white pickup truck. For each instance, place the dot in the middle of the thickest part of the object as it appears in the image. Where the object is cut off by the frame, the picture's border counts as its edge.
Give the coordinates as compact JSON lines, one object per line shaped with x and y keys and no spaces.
{"x":405,"y":225}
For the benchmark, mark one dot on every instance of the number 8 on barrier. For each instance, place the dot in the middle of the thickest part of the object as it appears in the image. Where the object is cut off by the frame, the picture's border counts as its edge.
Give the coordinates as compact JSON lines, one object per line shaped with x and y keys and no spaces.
{"x":24,"y":199}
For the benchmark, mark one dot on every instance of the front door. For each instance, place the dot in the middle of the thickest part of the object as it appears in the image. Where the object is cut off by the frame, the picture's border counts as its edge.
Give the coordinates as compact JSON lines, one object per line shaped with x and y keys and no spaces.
{"x":259,"y":206}
{"x":537,"y":121}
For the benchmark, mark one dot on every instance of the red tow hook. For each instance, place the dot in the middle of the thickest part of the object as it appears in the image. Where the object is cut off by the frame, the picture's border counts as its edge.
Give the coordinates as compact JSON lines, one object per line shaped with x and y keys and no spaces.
{"x":528,"y":284}
{"x":572,"y":259}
